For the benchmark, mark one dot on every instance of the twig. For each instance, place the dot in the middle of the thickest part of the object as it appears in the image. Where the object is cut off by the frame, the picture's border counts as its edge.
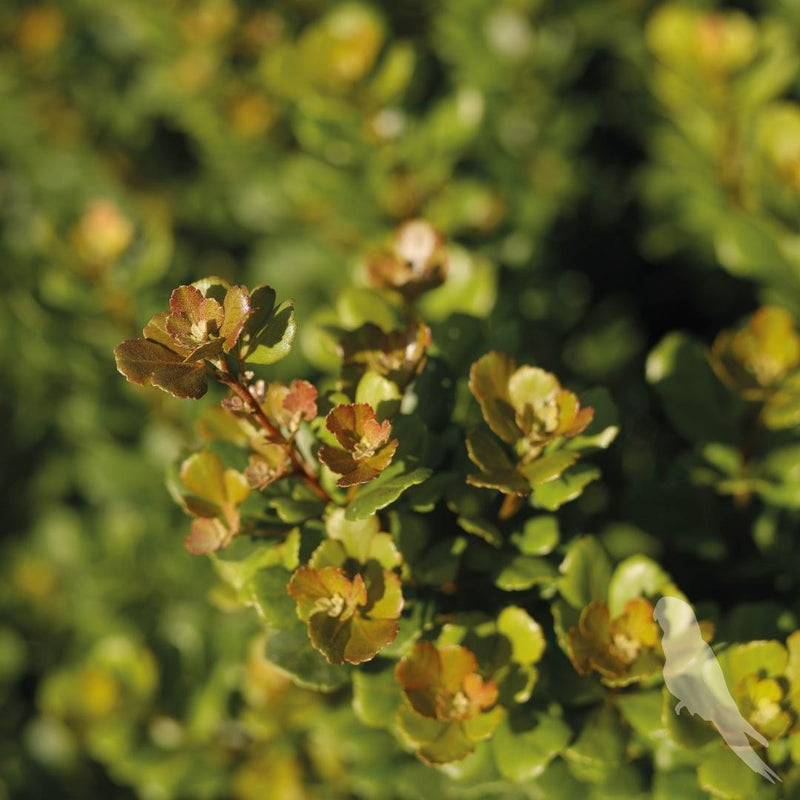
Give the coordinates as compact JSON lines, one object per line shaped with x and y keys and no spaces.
{"x":301,"y":468}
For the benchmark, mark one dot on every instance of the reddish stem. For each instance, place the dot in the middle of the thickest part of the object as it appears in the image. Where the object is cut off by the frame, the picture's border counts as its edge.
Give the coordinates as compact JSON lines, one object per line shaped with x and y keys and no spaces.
{"x":301,"y":468}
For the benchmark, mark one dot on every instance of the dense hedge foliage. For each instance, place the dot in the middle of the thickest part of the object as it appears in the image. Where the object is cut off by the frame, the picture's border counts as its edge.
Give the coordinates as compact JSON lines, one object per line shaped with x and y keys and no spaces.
{"x":498,"y":348}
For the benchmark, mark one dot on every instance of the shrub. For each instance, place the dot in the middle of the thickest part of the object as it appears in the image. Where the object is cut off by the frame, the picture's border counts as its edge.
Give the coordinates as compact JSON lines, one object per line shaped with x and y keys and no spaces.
{"x":539,"y":371}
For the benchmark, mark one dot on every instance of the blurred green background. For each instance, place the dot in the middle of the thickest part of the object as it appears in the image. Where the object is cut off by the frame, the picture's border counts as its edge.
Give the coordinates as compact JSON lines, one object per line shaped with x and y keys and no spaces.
{"x":607,"y":170}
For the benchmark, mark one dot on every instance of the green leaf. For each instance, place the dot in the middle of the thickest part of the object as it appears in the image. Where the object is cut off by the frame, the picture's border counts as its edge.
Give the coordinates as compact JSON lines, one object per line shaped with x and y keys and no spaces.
{"x":423,"y":497}
{"x":523,"y":572}
{"x":266,"y":591}
{"x":143,"y":362}
{"x":240,"y":563}
{"x":378,"y":392}
{"x":384,"y":490}
{"x":376,"y":697}
{"x":552,"y":495}
{"x":747,"y":246}
{"x":603,"y":428}
{"x":698,"y":405}
{"x":293,"y":510}
{"x":679,"y":784}
{"x":291,"y":651}
{"x":362,"y":541}
{"x":635,"y":577}
{"x":357,"y":306}
{"x":729,"y":778}
{"x":482,"y":726}
{"x":497,"y":469}
{"x":538,"y":537}
{"x":470,"y":288}
{"x":438,"y":742}
{"x":600,"y":746}
{"x":488,"y":382}
{"x":262,"y":303}
{"x":203,"y":474}
{"x":684,"y":729}
{"x":769,"y":658}
{"x":643,"y":711}
{"x":482,"y":529}
{"x":274,"y":341}
{"x":548,"y":467}
{"x":524,"y":633}
{"x":586,"y":572}
{"x":526,"y":742}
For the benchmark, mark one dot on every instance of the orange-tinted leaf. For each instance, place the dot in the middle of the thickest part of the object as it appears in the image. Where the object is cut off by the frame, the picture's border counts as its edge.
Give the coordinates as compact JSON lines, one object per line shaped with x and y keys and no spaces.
{"x":301,"y":400}
{"x":207,"y":536}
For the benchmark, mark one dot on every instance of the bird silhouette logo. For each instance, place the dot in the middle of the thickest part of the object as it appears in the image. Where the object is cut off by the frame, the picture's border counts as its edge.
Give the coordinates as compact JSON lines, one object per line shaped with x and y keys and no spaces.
{"x":693,"y":675}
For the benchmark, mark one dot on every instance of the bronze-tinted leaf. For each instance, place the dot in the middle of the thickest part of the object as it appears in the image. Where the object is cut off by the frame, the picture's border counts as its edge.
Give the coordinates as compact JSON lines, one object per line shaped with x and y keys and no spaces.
{"x":366,"y":451}
{"x":356,"y":426}
{"x":622,"y":650}
{"x":348,"y":620}
{"x":398,"y":356}
{"x":488,"y":382}
{"x":236,"y":311}
{"x":193,"y":318}
{"x":443,"y":682}
{"x":143,"y":361}
{"x":156,"y":329}
{"x":415,"y":262}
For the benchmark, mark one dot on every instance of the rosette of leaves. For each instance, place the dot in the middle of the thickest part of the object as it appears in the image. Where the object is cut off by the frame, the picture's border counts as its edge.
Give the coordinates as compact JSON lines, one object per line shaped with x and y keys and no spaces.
{"x":765,"y":683}
{"x":621,"y":650}
{"x":508,"y":649}
{"x":449,"y":705}
{"x":415,"y":262}
{"x":742,"y":415}
{"x":526,"y":408}
{"x":207,"y":320}
{"x":604,"y":621}
{"x":383,"y":364}
{"x":761,"y":362}
{"x":213,"y":498}
{"x":365,"y":448}
{"x":348,"y":595}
